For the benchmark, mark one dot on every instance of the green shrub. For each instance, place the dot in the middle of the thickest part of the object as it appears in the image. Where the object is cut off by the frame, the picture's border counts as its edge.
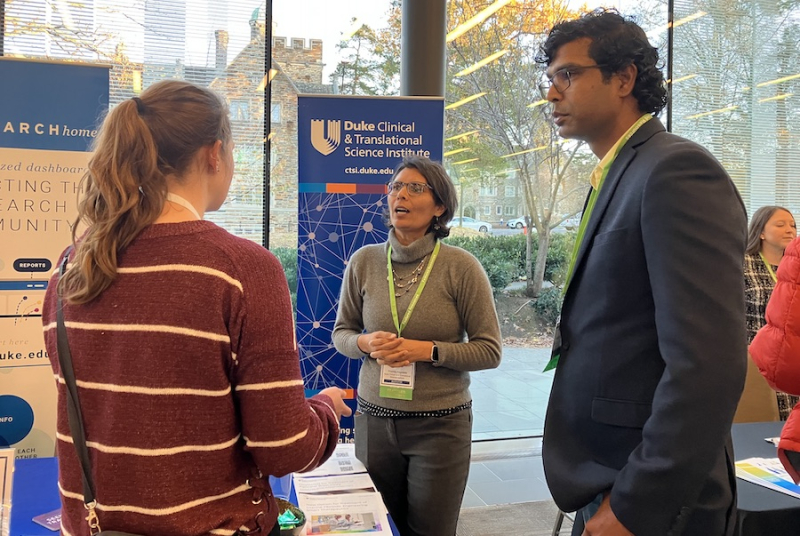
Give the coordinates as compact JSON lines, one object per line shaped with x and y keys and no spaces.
{"x":288,"y":259}
{"x":499,"y":268}
{"x":548,"y":305}
{"x":485,"y":247}
{"x":502,"y":257}
{"x":558,"y":257}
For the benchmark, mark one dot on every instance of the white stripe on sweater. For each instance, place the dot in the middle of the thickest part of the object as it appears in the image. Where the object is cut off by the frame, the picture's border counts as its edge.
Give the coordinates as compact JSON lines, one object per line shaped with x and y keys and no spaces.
{"x":109,"y":449}
{"x":269,"y":385}
{"x":321,"y":446}
{"x":139,"y":390}
{"x":182,"y":268}
{"x":156,"y":511}
{"x":276,"y":443}
{"x":152,"y":328}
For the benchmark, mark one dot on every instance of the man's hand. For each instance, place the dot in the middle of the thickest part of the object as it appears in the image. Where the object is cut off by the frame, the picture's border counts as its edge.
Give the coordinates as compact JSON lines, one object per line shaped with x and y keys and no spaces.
{"x":604,"y":522}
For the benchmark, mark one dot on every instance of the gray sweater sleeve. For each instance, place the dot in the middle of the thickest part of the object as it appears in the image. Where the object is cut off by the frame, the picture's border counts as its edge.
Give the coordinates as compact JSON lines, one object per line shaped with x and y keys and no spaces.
{"x":475,"y":304}
{"x":349,"y":324}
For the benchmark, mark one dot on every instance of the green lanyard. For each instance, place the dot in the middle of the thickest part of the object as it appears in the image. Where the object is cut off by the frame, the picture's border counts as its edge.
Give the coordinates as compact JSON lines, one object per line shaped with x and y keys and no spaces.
{"x":593,"y":197}
{"x":769,"y":268}
{"x":393,"y":300}
{"x":582,"y":228}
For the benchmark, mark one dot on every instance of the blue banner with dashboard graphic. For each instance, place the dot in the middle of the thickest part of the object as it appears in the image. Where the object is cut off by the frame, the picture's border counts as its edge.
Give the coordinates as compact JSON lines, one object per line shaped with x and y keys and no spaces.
{"x":49,"y":114}
{"x":348,"y":148}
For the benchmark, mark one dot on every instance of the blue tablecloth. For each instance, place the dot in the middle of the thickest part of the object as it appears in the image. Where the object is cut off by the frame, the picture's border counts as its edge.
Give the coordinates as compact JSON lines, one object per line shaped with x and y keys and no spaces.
{"x":35,"y":492}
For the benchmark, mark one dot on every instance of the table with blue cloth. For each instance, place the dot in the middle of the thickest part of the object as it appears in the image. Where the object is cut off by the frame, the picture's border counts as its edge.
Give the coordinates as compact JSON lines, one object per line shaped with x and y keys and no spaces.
{"x":35,"y":492}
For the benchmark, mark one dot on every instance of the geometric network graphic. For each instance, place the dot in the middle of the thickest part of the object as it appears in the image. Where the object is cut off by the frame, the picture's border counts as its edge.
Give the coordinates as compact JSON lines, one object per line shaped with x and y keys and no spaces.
{"x":331,"y":227}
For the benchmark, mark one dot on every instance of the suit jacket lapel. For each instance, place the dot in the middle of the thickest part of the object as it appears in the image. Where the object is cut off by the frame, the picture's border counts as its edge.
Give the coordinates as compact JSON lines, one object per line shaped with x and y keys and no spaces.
{"x":610,"y":183}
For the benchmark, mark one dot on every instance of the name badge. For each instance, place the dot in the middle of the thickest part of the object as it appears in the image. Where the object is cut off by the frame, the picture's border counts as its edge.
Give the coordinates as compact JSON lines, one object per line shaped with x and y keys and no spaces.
{"x":397,"y":382}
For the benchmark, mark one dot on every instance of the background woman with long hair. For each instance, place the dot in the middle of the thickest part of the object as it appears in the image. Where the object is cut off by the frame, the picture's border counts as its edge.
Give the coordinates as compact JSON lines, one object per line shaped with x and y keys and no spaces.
{"x":771,"y":229}
{"x":181,"y":336}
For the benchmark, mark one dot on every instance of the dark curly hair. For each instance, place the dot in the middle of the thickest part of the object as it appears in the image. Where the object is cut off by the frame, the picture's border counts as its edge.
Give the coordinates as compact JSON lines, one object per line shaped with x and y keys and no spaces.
{"x":616,"y":43}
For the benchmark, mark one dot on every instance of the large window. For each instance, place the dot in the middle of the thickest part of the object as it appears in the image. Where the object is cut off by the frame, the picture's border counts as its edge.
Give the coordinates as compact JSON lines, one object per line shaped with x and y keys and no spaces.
{"x":736,"y":85}
{"x":217,"y":44}
{"x":319,"y":47}
{"x":737,"y":91}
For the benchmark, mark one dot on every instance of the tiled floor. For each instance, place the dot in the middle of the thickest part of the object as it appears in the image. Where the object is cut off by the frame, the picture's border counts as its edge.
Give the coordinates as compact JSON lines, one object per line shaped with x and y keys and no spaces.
{"x":504,"y":481}
{"x":509,"y":402}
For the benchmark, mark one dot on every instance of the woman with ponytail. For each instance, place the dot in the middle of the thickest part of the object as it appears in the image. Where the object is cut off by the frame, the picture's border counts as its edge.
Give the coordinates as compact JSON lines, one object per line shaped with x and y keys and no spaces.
{"x":181,"y":336}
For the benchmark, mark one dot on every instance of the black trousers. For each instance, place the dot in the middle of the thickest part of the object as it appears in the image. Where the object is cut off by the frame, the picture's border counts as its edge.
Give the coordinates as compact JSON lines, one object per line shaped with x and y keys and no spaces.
{"x":420,"y":467}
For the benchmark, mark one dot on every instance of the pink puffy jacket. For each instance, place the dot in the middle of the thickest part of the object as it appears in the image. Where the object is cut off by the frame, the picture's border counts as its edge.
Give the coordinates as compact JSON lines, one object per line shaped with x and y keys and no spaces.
{"x":776,"y":348}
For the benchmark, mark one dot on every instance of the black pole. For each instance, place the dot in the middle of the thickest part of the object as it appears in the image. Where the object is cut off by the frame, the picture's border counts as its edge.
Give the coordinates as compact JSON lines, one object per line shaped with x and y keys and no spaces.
{"x":422,"y":47}
{"x":670,"y":52}
{"x":2,"y":27}
{"x":267,"y":117}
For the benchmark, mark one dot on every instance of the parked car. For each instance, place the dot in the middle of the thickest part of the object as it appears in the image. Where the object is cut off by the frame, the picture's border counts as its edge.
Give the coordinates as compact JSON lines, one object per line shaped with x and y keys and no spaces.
{"x":571,"y":223}
{"x":471,"y":223}
{"x":517,"y":223}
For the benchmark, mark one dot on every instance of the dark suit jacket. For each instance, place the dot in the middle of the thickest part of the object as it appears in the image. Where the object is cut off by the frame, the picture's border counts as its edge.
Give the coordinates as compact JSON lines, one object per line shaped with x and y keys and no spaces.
{"x":653,"y":350}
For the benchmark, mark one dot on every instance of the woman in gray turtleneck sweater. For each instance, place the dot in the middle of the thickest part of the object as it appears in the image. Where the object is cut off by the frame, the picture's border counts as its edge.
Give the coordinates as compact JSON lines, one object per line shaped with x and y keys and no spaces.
{"x":415,"y":442}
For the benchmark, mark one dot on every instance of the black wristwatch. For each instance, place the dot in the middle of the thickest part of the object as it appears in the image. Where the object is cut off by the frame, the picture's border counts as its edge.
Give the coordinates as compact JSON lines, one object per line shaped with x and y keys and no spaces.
{"x":435,"y":354}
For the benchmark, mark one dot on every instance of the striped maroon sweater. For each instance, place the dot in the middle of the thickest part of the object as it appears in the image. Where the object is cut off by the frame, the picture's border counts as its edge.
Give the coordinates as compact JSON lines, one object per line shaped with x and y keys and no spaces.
{"x":190,"y":385}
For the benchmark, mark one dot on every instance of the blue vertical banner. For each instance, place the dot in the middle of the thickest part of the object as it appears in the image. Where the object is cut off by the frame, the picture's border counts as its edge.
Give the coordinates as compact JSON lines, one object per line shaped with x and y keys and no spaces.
{"x":49,"y":116}
{"x":348,"y":149}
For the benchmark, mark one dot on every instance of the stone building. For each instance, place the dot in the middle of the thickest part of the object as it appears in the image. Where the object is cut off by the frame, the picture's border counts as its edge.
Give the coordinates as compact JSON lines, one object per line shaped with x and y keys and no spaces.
{"x":296,"y":68}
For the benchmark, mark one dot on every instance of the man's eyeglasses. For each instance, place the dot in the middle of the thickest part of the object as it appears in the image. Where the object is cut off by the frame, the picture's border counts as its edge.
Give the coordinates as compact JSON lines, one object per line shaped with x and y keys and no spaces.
{"x":413,"y":188}
{"x":562,"y":78}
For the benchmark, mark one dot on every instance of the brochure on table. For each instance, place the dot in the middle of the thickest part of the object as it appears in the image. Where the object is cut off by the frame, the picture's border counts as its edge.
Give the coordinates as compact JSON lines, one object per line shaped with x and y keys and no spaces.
{"x":767,"y":472}
{"x":339,"y":497}
{"x":343,"y":461}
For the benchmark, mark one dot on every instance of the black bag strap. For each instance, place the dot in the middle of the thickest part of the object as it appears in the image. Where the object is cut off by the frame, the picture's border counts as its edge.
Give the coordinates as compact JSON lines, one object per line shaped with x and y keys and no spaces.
{"x":74,"y":415}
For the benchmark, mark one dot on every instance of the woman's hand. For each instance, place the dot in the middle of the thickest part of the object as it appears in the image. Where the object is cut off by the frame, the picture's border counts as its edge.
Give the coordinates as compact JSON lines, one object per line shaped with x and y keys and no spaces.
{"x":385,"y":347}
{"x":337,"y":396}
{"x":393,"y":351}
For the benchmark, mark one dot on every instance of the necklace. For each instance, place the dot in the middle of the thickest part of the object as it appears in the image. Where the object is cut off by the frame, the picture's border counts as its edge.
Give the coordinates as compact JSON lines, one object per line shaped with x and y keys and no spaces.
{"x":411,"y":279}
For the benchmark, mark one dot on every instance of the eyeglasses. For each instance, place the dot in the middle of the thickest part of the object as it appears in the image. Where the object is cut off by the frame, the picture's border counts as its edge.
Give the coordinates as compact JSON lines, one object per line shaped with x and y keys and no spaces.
{"x":413,"y":188}
{"x":562,"y":78}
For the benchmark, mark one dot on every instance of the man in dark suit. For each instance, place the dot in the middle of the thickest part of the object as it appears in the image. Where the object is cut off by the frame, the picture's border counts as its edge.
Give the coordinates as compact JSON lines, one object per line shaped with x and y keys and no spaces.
{"x":651,"y":348}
